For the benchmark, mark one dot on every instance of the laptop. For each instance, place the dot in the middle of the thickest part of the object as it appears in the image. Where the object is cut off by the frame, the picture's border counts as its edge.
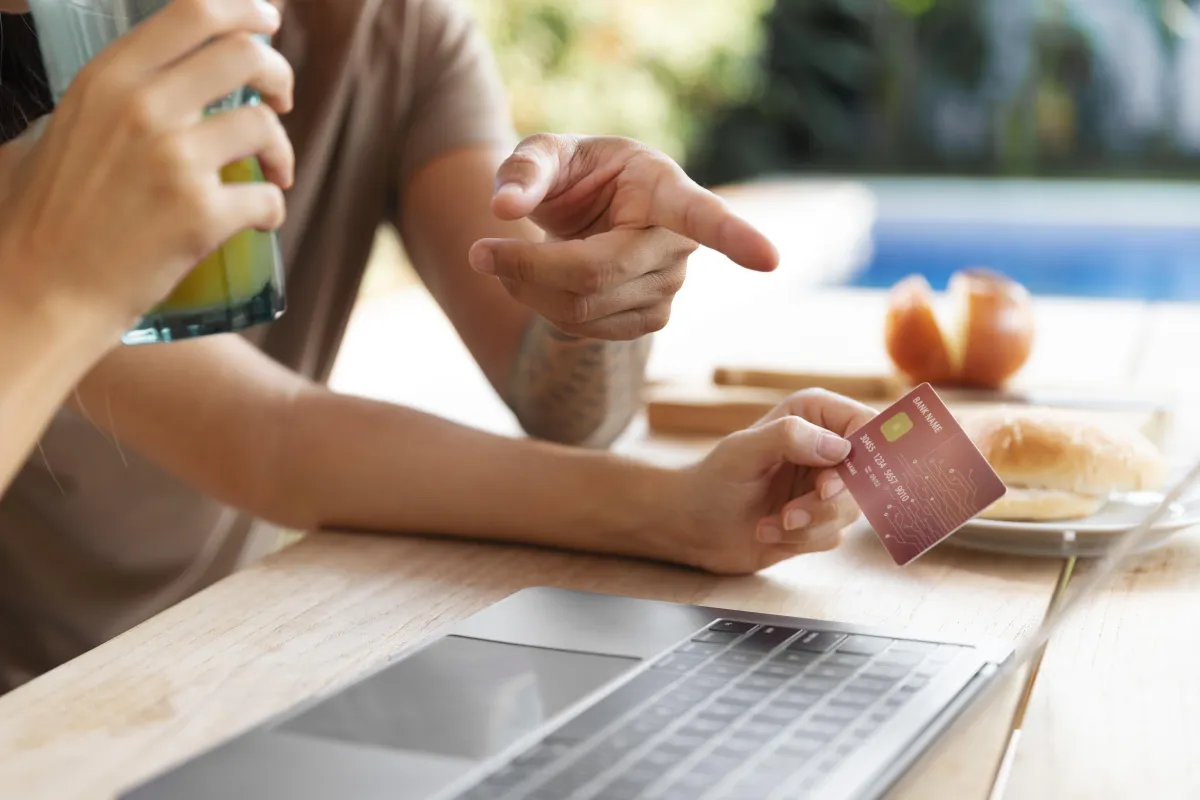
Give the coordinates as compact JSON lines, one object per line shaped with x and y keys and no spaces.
{"x":557,"y":695}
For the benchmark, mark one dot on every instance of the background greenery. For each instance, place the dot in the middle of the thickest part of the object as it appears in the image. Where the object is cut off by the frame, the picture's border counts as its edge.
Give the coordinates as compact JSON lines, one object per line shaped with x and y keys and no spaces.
{"x":737,"y":89}
{"x":655,"y":70}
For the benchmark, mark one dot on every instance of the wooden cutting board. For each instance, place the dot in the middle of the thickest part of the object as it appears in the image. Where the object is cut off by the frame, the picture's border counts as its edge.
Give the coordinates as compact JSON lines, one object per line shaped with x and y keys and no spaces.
{"x":887,"y":388}
{"x":709,"y":410}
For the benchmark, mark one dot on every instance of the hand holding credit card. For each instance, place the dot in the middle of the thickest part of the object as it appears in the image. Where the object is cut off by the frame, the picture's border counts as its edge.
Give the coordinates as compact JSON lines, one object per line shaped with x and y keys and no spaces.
{"x":916,"y":475}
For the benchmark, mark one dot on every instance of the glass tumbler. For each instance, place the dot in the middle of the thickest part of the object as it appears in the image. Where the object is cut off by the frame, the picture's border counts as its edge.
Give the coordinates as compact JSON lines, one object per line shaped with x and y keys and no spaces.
{"x":241,"y":283}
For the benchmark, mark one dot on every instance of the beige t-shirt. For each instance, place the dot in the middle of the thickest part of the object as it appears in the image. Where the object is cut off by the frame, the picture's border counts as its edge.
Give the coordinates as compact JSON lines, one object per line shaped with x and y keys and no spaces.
{"x":94,"y":538}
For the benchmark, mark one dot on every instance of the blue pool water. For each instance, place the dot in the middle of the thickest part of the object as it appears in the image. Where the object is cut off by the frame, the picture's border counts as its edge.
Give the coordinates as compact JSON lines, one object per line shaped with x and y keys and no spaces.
{"x":1078,"y":238}
{"x":1137,"y":262}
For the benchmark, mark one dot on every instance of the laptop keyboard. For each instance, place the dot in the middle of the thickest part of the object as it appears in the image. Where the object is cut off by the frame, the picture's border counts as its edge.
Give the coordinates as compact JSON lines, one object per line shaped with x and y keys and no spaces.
{"x":739,"y":711}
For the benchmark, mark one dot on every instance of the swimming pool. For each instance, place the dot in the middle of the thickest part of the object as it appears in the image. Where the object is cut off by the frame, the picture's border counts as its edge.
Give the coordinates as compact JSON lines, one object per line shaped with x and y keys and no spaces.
{"x":1106,"y":241}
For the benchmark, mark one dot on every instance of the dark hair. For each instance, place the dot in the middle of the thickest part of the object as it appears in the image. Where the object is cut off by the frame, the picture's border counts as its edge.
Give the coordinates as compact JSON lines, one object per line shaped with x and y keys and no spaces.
{"x":24,"y":91}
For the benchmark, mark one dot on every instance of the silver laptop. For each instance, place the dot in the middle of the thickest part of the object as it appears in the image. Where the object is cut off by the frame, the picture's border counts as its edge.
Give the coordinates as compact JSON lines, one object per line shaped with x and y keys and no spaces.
{"x":556,"y":695}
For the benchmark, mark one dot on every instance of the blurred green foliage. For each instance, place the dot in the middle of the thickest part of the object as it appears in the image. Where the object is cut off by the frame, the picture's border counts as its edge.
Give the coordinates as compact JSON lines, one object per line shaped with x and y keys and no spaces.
{"x":654,"y":70}
{"x":736,"y":89}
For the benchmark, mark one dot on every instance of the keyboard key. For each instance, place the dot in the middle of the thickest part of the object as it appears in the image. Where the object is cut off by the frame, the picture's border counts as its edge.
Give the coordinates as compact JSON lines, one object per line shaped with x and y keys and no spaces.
{"x":721,"y":669}
{"x":767,"y":638}
{"x":628,"y":697}
{"x":890,"y":672}
{"x":703,"y":728}
{"x":864,"y":645}
{"x":694,"y":782}
{"x":776,"y":712}
{"x":736,"y":656}
{"x":688,"y":744}
{"x":918,"y":681}
{"x":811,"y":684}
{"x":739,"y":747}
{"x":920,"y":648}
{"x":798,"y":751}
{"x":678,"y":793}
{"x":852,"y":700}
{"x":831,"y":671}
{"x":760,"y":730}
{"x":818,"y":731}
{"x":768,"y":682}
{"x":723,"y":712}
{"x":630,"y":785}
{"x":794,"y":704}
{"x":846,"y":660}
{"x":794,"y":658}
{"x":745,"y":697}
{"x":837,"y":715}
{"x":778,"y":670}
{"x":703,"y":683}
{"x":699,"y":648}
{"x":872,"y":684}
{"x":731,"y":626}
{"x":714,"y":637}
{"x":646,"y":725}
{"x":679,"y":663}
{"x":868,"y":684}
{"x":758,"y":784}
{"x":817,"y":641}
{"x":716,"y":767}
{"x":684,"y":695}
{"x":662,"y":758}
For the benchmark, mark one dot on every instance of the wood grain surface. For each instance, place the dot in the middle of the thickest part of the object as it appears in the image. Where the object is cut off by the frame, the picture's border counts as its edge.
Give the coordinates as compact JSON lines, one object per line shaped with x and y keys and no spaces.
{"x":334,"y":605}
{"x":1113,"y":714}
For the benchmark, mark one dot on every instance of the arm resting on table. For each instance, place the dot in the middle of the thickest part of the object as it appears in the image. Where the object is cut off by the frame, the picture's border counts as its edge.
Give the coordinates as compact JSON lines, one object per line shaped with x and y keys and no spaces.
{"x":229,"y":420}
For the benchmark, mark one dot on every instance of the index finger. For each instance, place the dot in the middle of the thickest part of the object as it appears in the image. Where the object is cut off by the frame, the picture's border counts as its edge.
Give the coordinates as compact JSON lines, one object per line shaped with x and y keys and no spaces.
{"x":680,"y":204}
{"x":833,"y":412}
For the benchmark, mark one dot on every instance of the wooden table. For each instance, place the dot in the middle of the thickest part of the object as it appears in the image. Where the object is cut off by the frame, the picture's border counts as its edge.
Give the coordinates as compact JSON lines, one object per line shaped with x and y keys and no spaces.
{"x":1114,"y":712}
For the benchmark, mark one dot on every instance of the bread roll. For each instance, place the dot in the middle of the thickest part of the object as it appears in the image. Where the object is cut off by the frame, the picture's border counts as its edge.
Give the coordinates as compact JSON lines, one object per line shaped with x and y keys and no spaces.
{"x":1059,"y":466}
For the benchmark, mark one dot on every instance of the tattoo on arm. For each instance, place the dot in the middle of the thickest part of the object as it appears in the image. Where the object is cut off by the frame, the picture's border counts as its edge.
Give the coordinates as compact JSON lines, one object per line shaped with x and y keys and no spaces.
{"x":576,"y":391}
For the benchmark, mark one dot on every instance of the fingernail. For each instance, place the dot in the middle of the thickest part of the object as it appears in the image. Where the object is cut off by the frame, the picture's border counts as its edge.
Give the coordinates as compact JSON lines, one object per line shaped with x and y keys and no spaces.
{"x":832,"y":448}
{"x":482,"y":261}
{"x":768,"y":533}
{"x":832,"y":487}
{"x":512,"y":187}
{"x":796,"y":519}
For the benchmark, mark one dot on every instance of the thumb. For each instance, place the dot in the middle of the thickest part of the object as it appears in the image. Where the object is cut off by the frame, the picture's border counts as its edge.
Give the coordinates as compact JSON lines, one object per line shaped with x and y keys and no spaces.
{"x":754,"y":452}
{"x":527,"y":176}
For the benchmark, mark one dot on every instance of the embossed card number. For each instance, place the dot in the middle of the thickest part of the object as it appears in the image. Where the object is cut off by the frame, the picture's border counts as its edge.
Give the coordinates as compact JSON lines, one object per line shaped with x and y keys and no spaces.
{"x":916,"y":475}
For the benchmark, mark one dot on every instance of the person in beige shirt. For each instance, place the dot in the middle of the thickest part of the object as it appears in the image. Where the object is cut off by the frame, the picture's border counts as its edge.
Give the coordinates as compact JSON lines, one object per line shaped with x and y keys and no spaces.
{"x":72,"y":278}
{"x":554,"y":261}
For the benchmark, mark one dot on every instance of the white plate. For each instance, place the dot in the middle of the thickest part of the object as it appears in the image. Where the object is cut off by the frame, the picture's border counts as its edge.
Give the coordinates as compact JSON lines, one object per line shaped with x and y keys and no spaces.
{"x":1087,"y":538}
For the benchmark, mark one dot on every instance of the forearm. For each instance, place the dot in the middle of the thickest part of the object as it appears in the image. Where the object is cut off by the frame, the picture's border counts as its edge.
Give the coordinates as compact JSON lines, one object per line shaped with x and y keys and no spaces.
{"x":360,"y":464}
{"x":227,"y":419}
{"x":40,"y":361}
{"x":576,"y":391}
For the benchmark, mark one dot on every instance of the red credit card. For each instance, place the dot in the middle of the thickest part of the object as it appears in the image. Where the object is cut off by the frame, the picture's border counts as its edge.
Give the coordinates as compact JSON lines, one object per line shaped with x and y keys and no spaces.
{"x":916,"y":475}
